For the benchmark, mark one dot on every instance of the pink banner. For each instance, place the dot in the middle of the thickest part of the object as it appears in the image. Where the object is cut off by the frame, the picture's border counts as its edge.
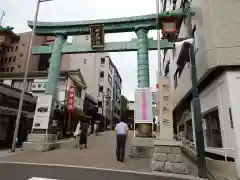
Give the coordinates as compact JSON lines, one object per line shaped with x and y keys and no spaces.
{"x":144,"y":106}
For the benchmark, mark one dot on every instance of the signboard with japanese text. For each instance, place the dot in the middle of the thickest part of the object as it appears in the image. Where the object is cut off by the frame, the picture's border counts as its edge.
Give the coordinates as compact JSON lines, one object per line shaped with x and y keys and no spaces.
{"x":97,"y":36}
{"x":70,"y":102}
{"x":143,"y":111}
{"x":42,"y":112}
{"x":166,"y":118}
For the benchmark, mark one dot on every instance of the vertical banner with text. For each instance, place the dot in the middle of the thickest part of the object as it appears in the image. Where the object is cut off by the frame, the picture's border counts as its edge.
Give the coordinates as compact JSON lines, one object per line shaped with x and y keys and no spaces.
{"x":71,"y":94}
{"x":97,"y":36}
{"x":143,"y":112}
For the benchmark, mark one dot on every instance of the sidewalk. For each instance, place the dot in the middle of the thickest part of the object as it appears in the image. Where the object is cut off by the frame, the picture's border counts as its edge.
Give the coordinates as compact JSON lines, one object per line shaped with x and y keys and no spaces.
{"x":5,"y":153}
{"x":100,"y":154}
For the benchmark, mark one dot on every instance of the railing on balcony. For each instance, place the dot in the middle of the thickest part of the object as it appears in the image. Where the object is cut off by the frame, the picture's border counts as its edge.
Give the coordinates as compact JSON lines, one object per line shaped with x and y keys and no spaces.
{"x":191,"y":145}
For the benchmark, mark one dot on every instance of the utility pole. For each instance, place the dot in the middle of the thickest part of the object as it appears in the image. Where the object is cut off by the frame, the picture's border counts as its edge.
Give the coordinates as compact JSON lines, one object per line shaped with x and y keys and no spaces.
{"x":201,"y":161}
{"x":25,"y":76}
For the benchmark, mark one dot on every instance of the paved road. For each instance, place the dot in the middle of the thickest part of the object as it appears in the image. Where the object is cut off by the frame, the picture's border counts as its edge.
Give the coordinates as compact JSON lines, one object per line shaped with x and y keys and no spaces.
{"x":27,"y":172}
{"x":100,"y":153}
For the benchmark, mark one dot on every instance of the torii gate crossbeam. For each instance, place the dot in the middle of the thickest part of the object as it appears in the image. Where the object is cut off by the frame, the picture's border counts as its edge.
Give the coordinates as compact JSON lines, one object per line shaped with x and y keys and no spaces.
{"x":139,"y":24}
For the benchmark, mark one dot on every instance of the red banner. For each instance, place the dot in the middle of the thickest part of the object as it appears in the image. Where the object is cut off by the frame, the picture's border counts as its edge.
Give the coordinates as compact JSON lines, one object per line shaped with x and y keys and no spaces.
{"x":71,"y":94}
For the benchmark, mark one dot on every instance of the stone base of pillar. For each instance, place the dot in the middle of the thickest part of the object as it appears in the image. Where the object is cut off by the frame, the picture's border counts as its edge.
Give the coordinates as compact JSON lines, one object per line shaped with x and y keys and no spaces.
{"x":142,"y":148}
{"x":167,"y":157}
{"x":40,"y":142}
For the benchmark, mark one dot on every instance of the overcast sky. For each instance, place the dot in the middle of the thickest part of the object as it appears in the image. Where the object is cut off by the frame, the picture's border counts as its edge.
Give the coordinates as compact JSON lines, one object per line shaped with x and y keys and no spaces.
{"x":19,"y":11}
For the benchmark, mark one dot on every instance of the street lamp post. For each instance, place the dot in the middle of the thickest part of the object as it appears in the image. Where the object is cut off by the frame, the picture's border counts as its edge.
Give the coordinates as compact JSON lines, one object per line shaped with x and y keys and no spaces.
{"x":25,"y":76}
{"x":196,"y":105}
{"x":201,"y":162}
{"x":169,"y":32}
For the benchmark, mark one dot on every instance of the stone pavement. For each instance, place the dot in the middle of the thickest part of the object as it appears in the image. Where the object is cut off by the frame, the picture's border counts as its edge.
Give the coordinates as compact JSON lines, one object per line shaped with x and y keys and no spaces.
{"x":100,"y":154}
{"x":4,"y":153}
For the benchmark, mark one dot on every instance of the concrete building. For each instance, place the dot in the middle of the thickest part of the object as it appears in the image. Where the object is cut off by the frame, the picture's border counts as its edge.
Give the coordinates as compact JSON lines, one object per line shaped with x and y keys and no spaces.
{"x":102,"y":78}
{"x":215,"y":29}
{"x":14,"y":54}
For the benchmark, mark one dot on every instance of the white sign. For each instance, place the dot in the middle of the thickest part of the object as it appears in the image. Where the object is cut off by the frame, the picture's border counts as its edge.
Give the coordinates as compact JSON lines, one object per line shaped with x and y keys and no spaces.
{"x":38,"y":86}
{"x":143,"y":112}
{"x":42,"y":112}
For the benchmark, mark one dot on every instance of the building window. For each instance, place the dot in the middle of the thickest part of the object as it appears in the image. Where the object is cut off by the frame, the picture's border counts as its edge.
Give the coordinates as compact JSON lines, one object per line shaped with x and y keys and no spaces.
{"x":100,"y":104}
{"x":109,"y":79}
{"x":85,"y":61}
{"x":107,"y":103}
{"x":14,"y":58}
{"x":110,"y":66}
{"x":21,"y":55}
{"x":12,"y":68}
{"x":19,"y":66}
{"x":102,"y":60}
{"x":176,"y":79}
{"x":87,"y":38}
{"x":16,"y":48}
{"x":100,"y":89}
{"x":109,"y":92}
{"x":212,"y":132}
{"x":7,"y":70}
{"x":118,"y":100}
{"x":102,"y":74}
{"x":12,"y":48}
{"x":78,"y":92}
{"x":10,"y":59}
{"x":23,"y":44}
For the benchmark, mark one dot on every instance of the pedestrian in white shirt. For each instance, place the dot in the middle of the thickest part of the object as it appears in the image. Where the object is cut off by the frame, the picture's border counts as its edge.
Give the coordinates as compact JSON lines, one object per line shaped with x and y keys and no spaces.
{"x":77,"y":134}
{"x":122,"y":133}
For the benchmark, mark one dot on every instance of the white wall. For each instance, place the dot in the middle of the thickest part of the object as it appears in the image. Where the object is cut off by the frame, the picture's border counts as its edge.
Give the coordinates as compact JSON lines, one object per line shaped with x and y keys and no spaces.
{"x":234,"y":89}
{"x":217,"y":95}
{"x":90,"y":65}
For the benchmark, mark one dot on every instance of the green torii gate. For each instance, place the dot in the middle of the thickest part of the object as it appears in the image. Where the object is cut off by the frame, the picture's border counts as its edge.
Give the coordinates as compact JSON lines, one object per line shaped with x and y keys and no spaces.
{"x":139,"y":24}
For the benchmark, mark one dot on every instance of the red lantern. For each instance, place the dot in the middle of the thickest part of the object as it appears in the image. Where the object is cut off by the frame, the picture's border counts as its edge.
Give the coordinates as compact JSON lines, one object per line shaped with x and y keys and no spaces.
{"x":169,"y":27}
{"x":71,"y":94}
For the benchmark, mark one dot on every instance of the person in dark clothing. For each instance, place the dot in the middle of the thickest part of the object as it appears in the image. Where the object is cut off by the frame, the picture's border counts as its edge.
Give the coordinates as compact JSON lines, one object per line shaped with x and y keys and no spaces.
{"x":122,"y":133}
{"x":83,"y":134}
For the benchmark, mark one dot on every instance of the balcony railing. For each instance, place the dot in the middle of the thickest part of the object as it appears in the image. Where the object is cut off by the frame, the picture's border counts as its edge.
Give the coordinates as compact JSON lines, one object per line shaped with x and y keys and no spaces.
{"x":191,"y":145}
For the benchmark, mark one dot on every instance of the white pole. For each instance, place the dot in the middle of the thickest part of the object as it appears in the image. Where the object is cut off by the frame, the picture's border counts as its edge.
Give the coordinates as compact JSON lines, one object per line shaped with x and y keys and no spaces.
{"x":25,"y":79}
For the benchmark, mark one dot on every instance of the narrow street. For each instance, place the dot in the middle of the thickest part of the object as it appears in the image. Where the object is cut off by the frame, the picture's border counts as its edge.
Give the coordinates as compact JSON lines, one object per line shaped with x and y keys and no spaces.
{"x":100,"y":154}
{"x":70,"y":163}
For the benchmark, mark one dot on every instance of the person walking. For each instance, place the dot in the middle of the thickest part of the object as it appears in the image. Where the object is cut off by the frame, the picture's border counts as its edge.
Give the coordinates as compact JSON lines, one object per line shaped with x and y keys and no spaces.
{"x":83,"y":134}
{"x":122,"y":133}
{"x":77,"y":134}
{"x":95,"y":129}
